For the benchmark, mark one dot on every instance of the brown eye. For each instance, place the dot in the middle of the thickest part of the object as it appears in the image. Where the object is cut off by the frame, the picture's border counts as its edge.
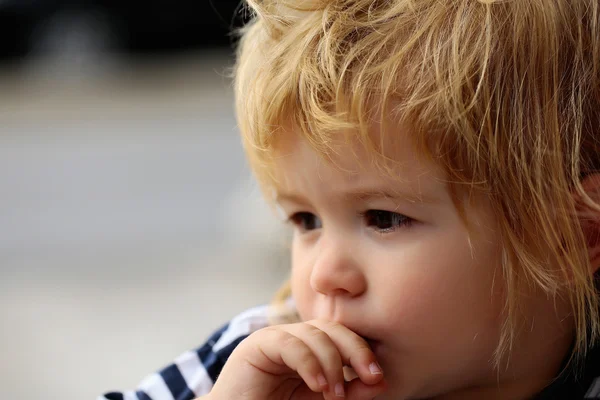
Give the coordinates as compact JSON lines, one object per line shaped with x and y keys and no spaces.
{"x":306,"y":221}
{"x":386,"y":221}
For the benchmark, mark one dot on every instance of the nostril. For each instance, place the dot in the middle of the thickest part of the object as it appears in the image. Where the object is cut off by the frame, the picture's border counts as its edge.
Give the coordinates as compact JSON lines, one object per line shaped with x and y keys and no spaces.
{"x":341,"y":292}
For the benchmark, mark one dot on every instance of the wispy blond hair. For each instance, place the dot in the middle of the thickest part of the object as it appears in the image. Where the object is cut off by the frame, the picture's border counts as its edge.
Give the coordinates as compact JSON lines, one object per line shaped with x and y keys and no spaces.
{"x":503,"y":95}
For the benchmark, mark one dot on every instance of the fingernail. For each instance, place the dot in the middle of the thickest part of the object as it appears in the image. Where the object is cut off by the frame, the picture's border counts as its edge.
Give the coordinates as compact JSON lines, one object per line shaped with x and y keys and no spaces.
{"x":321,"y":380}
{"x":375,"y":369}
{"x":339,"y":390}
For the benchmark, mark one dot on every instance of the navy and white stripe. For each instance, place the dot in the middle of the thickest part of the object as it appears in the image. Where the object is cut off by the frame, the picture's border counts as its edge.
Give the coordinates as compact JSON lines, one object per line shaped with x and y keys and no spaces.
{"x":193,"y":373}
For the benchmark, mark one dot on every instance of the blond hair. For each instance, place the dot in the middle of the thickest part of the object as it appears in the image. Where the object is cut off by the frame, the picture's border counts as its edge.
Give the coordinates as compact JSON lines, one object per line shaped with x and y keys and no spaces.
{"x":504,"y":95}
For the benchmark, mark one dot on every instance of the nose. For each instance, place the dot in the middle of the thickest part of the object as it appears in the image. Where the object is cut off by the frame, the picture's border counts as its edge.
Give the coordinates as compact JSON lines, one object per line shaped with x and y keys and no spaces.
{"x":335,"y":271}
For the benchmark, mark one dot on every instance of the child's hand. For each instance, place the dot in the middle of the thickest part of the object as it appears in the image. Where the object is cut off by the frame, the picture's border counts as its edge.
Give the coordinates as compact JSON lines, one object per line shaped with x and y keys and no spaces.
{"x":301,"y":361}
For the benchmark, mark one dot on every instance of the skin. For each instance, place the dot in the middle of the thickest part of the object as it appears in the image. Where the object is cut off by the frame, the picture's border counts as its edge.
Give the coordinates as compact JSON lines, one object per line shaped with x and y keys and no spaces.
{"x":384,"y":270}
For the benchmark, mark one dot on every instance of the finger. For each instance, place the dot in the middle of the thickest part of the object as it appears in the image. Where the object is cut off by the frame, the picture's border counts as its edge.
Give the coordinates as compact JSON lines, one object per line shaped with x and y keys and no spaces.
{"x":354,"y":350}
{"x":326,"y":352}
{"x":358,"y":390}
{"x":283,"y":352}
{"x":349,"y":374}
{"x":303,"y":392}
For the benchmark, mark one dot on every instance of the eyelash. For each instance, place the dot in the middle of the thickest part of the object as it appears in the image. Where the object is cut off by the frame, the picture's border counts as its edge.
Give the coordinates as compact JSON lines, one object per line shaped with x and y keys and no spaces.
{"x":299,"y":220}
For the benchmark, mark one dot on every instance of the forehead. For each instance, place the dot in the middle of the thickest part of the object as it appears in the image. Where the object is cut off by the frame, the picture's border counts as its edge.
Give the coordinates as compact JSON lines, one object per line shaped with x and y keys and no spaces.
{"x":349,"y":165}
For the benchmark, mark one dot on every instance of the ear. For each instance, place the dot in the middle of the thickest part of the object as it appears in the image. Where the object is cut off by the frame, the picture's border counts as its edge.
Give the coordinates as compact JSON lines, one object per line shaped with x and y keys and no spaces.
{"x":590,"y":219}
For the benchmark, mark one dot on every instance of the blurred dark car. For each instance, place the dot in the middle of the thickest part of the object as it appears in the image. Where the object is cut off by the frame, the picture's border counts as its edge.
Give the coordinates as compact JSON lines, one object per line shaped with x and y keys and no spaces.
{"x":32,"y":27}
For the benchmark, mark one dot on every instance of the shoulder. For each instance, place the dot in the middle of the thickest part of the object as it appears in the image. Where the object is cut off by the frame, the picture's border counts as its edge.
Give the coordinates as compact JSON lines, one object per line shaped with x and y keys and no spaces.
{"x":240,"y":327}
{"x":193,"y":373}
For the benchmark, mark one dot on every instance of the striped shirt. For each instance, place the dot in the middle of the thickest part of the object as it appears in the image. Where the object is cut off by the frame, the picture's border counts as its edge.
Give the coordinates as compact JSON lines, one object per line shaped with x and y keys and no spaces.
{"x":193,"y":373}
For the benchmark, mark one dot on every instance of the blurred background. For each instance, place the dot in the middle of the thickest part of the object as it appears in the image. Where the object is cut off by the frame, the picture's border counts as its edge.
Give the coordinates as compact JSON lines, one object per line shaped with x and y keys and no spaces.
{"x":130,"y":226}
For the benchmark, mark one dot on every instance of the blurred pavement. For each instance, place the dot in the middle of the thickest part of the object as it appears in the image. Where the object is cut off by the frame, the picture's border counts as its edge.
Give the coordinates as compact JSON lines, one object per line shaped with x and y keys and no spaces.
{"x":129,"y":225}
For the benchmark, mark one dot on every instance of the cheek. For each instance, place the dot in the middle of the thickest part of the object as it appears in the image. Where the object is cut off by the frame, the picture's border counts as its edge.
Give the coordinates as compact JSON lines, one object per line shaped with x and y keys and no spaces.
{"x":300,"y":282}
{"x":439,"y":285}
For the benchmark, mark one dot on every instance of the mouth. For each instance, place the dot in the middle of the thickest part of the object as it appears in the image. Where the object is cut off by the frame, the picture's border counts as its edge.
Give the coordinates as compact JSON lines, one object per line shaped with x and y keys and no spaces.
{"x":373,"y":344}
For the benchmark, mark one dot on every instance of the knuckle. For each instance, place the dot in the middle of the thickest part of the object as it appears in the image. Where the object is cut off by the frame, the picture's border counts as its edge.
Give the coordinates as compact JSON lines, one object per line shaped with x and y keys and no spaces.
{"x":316,"y":333}
{"x":328,"y":352}
{"x":288,"y":340}
{"x":326,"y":325}
{"x":265,"y":331}
{"x":270,"y":332}
{"x":333,"y":325}
{"x":275,"y":334}
{"x":307,"y":358}
{"x":365,"y":351}
{"x":361,"y":343}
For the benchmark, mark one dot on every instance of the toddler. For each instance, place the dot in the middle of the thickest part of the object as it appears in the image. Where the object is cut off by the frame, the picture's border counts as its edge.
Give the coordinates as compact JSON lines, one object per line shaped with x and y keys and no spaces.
{"x":438,"y":163}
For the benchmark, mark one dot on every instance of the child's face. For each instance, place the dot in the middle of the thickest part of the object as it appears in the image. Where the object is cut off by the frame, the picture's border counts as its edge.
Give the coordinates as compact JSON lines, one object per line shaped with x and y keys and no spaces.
{"x":398,"y":268}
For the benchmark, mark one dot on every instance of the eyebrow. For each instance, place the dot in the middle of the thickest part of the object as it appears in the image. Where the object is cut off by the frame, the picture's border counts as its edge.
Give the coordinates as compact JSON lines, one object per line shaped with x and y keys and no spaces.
{"x":366,"y":195}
